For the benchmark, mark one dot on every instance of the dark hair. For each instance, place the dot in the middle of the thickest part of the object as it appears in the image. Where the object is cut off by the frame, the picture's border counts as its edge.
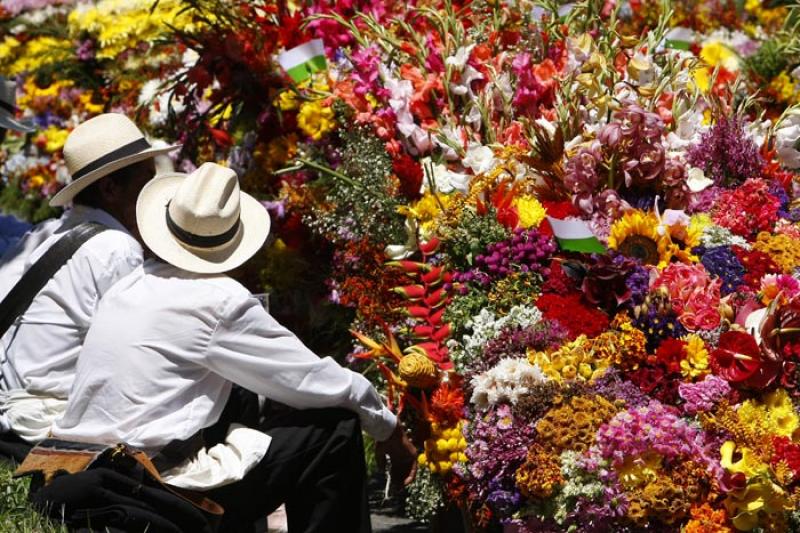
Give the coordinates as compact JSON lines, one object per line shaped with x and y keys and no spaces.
{"x":92,"y":196}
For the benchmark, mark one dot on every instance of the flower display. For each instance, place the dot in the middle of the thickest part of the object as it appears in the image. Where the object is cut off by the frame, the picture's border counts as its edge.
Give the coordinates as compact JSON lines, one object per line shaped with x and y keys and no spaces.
{"x":563,"y":234}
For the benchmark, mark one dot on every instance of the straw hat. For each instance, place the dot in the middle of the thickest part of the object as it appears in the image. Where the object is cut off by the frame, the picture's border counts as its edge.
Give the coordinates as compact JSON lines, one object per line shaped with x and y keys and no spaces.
{"x":8,"y":107}
{"x":100,"y":146}
{"x":201,"y":222}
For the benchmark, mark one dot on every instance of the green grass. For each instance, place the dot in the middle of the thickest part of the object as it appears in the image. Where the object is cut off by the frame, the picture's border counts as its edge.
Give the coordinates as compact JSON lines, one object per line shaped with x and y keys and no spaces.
{"x":16,"y":516}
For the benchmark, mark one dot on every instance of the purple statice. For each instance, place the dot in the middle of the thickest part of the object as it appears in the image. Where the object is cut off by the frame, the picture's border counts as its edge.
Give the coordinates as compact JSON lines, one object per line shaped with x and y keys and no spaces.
{"x":784,"y":211}
{"x":515,"y":341}
{"x":638,"y":282}
{"x":612,"y":387}
{"x":720,"y":261}
{"x":657,"y":428}
{"x":498,"y":445}
{"x":525,"y":251}
{"x":726,"y":154}
{"x":703,"y":395}
{"x":657,"y":326}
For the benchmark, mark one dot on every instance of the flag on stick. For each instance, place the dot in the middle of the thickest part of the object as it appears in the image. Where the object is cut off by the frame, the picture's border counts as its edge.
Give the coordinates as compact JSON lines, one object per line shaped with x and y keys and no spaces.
{"x":302,"y":61}
{"x":575,"y":236}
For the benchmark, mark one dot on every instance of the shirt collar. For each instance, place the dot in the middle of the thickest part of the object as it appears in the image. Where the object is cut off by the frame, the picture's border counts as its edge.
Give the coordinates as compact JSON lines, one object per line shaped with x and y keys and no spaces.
{"x":82,"y":213}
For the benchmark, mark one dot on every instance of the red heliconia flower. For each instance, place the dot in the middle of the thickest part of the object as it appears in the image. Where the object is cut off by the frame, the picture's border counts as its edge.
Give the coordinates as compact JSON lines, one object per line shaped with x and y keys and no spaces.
{"x":739,"y":360}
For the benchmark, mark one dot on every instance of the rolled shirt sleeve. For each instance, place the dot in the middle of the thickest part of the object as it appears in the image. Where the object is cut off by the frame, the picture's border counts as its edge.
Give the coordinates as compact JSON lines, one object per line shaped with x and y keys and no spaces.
{"x":252,"y":349}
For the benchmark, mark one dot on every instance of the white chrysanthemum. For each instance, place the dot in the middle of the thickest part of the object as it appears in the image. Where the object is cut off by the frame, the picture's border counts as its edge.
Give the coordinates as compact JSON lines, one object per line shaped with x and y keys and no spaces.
{"x":508,"y":381}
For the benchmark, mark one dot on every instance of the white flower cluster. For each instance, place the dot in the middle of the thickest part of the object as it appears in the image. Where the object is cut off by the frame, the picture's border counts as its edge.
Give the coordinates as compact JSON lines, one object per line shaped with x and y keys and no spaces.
{"x":486,"y":326}
{"x":507,"y":381}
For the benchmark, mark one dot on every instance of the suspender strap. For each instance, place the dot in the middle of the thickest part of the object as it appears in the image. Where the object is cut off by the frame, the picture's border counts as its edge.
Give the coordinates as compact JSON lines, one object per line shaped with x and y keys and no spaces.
{"x":22,"y":294}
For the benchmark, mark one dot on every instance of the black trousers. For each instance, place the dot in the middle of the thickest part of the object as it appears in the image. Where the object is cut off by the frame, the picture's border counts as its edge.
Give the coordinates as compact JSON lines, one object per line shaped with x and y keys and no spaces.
{"x":12,"y":448}
{"x":315,"y":465}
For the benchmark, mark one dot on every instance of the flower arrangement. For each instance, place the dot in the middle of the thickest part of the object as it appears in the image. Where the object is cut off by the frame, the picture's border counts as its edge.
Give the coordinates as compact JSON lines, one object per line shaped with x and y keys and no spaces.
{"x":637,"y":371}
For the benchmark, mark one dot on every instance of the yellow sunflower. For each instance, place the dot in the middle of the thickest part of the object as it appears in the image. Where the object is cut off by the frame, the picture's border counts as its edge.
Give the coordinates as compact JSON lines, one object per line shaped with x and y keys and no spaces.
{"x":682,"y":240}
{"x":636,"y":235}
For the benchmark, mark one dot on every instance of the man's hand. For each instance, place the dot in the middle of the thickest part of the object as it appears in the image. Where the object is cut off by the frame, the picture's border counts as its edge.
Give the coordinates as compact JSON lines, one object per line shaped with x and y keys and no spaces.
{"x":402,"y":454}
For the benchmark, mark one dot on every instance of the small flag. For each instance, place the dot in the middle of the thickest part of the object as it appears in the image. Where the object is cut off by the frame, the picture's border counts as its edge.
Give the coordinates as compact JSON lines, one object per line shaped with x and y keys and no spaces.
{"x":575,"y":236}
{"x":679,"y":38}
{"x":302,"y":61}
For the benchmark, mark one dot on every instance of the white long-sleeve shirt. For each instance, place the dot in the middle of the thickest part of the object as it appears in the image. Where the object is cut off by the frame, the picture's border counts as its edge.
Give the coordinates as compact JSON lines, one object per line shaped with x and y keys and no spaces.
{"x":165,"y":348}
{"x":38,"y":354}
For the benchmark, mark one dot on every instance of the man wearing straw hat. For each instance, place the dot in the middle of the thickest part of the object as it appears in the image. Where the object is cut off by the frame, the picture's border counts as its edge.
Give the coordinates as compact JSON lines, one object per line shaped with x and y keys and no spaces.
{"x":52,"y":280}
{"x":170,"y":340}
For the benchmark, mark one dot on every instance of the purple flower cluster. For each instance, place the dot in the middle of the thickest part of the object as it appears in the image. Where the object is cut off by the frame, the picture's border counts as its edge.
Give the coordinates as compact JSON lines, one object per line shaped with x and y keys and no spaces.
{"x":515,"y":341}
{"x":498,"y":445}
{"x":726,"y":154}
{"x":652,"y":428}
{"x":638,"y":282}
{"x":720,"y":261}
{"x":525,"y":251}
{"x":703,"y":395}
{"x":777,"y":190}
{"x":658,"y":326}
{"x":612,"y":387}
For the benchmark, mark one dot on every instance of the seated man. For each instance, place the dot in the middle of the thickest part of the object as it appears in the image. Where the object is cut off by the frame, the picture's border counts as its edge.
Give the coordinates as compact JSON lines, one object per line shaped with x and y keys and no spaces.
{"x":170,"y":340}
{"x":109,"y":160}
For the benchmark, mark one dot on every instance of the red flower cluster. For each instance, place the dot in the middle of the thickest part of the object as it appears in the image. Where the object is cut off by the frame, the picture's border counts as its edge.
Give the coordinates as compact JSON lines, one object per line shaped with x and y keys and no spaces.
{"x":670,"y":354}
{"x":788,"y":452}
{"x":409,"y":172}
{"x":757,"y":265}
{"x":447,"y":404}
{"x":748,"y":209}
{"x":571,"y":312}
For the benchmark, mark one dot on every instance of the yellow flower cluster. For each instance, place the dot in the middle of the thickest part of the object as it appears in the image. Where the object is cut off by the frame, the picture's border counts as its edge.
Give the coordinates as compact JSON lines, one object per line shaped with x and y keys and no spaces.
{"x":769,"y":17}
{"x":758,"y":502}
{"x":531,"y":212}
{"x":427,"y":210}
{"x":695,"y":364}
{"x":782,"y":248}
{"x":444,"y":447}
{"x":540,"y":474}
{"x":784,"y":88}
{"x":573,"y":360}
{"x":316,"y":119}
{"x":623,"y":344}
{"x":573,"y":426}
{"x":119,"y":25}
{"x":773,"y":415}
{"x":17,"y":58}
{"x":53,"y":138}
{"x":417,"y":370}
{"x":662,"y":500}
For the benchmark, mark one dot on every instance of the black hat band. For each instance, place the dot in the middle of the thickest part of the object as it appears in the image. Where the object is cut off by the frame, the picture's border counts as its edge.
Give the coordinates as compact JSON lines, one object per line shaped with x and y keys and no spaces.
{"x":201,"y":241}
{"x":139,"y":145}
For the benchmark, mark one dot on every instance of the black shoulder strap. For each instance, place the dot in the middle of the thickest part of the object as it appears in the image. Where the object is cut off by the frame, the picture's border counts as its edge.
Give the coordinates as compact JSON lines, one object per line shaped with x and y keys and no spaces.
{"x":22,"y":294}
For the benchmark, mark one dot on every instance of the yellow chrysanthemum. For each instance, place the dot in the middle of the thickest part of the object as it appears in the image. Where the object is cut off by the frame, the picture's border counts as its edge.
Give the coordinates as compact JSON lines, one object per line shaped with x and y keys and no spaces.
{"x":315,"y":119}
{"x":119,"y":25}
{"x":39,"y":52}
{"x":636,"y":235}
{"x":695,"y":364}
{"x":287,"y":101}
{"x":784,"y":88}
{"x":531,"y":211}
{"x":427,"y":210}
{"x":782,"y":248}
{"x":717,"y":53}
{"x":774,"y":415}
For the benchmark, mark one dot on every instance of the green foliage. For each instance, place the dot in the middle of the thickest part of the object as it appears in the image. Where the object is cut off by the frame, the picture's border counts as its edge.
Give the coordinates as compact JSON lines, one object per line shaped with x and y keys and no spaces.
{"x":30,"y":208}
{"x":471,"y":235}
{"x":768,"y":61}
{"x":16,"y":515}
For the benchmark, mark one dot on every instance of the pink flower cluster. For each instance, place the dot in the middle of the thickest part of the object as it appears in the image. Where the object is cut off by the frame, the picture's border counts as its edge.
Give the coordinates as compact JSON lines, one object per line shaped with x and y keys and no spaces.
{"x":693,"y":294}
{"x":654,"y":427}
{"x":703,"y":395}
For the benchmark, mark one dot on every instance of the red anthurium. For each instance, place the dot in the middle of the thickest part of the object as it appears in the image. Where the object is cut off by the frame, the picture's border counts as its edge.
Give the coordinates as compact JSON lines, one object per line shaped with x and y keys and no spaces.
{"x":739,"y":361}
